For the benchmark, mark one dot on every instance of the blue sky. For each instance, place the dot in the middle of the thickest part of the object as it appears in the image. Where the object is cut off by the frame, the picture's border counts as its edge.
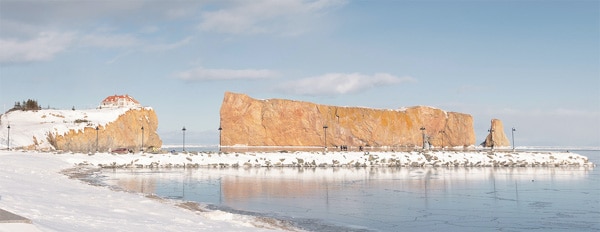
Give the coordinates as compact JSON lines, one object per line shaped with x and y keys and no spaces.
{"x":533,"y":64}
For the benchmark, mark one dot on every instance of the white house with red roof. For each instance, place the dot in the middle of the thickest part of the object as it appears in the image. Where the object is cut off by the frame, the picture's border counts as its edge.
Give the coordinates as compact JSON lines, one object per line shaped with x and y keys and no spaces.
{"x":119,"y":101}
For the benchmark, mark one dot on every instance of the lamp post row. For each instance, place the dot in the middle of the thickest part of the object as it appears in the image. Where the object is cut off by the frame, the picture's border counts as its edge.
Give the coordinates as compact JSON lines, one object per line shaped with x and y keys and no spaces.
{"x":220,"y":129}
{"x":220,"y":138}
{"x":142,"y":149}
{"x":512,"y":132}
{"x":325,"y":133}
{"x":325,"y":127}
{"x":443,"y":132}
{"x":423,"y":135}
{"x":491,"y":130}
{"x":8,"y":140}
{"x":183,"y":129}
{"x":97,"y":128}
{"x":422,"y":129}
{"x":324,"y":130}
{"x":513,"y":137}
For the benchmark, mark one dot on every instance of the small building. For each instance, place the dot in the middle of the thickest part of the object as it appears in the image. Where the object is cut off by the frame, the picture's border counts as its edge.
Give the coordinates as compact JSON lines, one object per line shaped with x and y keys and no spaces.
{"x":119,"y":101}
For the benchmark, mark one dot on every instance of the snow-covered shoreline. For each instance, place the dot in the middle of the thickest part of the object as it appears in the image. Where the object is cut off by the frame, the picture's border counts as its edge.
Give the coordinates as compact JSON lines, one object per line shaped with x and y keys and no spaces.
{"x":34,"y":185}
{"x":335,"y":159}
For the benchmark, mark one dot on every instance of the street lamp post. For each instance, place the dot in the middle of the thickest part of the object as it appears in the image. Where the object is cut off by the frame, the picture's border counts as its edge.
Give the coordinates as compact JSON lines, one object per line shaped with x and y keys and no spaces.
{"x":142,"y":139}
{"x":8,"y":141}
{"x":97,"y":128}
{"x":183,"y":129}
{"x":423,"y":135}
{"x":325,"y":132}
{"x":220,"y":129}
{"x":492,"y":137}
{"x":443,"y":133}
{"x":513,"y":137}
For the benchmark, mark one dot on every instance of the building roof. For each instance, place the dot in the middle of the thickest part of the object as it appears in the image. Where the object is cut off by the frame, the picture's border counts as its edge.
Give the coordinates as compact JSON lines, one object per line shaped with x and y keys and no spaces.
{"x":115,"y":98}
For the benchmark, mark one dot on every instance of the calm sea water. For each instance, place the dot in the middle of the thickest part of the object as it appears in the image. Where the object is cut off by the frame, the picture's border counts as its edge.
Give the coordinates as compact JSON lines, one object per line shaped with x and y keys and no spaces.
{"x":390,"y":199}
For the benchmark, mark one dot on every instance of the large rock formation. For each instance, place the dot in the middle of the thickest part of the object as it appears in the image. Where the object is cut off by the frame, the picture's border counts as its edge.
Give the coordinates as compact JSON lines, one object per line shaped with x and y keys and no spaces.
{"x":275,"y":122}
{"x":125,"y":132}
{"x":75,"y":130}
{"x":496,"y":137}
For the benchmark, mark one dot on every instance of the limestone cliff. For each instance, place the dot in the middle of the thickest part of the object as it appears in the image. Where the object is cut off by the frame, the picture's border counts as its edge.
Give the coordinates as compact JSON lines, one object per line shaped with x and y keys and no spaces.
{"x":496,"y":137}
{"x":75,"y":130}
{"x":277,"y":122}
{"x":125,"y":132}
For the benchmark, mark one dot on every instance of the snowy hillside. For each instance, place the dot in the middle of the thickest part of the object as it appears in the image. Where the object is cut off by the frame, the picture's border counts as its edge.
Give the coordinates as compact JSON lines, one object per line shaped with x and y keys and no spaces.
{"x":27,"y":127}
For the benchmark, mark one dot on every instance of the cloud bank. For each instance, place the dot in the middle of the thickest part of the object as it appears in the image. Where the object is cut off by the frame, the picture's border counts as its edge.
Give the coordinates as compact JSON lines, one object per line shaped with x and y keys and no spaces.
{"x":40,"y":48}
{"x":203,"y":74}
{"x":340,"y":83}
{"x":266,"y":16}
{"x":34,"y":31}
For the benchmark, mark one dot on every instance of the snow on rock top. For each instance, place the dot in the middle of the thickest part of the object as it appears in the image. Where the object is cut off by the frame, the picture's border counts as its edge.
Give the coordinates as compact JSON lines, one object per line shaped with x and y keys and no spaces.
{"x":119,"y":101}
{"x":28,"y":127}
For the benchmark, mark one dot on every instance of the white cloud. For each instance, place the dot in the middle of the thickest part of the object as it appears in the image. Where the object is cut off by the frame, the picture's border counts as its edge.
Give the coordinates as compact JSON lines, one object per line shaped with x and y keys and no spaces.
{"x":199,"y":74}
{"x":109,"y":40}
{"x":340,"y":83}
{"x":75,"y":12}
{"x":159,"y":47}
{"x":119,"y":56}
{"x":45,"y":46}
{"x":40,"y":48}
{"x":266,"y":16}
{"x":169,"y":46}
{"x":179,"y":12}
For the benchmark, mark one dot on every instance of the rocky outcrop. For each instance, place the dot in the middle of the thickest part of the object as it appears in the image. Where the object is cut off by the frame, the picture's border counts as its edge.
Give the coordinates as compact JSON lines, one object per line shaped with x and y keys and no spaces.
{"x":75,"y":130}
{"x":125,"y":132}
{"x":276,"y":122}
{"x":496,"y":137}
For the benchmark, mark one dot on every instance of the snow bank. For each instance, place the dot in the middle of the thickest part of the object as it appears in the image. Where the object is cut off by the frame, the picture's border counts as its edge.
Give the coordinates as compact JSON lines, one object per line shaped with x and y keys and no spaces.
{"x":335,"y":159}
{"x":31,"y":186}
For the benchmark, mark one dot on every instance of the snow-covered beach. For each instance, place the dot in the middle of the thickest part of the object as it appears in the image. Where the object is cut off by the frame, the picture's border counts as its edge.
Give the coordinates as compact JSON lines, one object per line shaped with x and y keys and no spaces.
{"x":34,"y":185}
{"x":334,"y":159}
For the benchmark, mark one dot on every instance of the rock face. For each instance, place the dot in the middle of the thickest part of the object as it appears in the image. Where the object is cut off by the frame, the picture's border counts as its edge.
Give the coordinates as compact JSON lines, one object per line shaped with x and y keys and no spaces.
{"x":75,"y":130}
{"x":125,"y":132}
{"x":275,"y":122}
{"x":496,"y":137}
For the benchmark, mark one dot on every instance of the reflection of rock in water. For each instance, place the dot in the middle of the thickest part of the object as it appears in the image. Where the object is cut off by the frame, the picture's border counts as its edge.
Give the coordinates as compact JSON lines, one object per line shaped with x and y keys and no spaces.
{"x":286,"y":182}
{"x":141,"y":185}
{"x":241,"y":188}
{"x":386,"y":198}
